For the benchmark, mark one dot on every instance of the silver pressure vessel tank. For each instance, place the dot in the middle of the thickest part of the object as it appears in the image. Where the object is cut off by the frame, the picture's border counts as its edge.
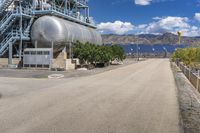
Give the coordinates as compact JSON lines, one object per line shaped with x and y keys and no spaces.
{"x":61,"y":32}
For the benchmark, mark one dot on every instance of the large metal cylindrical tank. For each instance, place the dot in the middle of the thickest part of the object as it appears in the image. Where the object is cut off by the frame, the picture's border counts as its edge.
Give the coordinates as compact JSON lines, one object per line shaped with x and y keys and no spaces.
{"x":61,"y":32}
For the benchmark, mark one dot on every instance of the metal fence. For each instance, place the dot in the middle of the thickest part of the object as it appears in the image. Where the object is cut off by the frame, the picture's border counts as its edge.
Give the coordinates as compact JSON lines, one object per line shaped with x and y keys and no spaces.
{"x":193,"y":75}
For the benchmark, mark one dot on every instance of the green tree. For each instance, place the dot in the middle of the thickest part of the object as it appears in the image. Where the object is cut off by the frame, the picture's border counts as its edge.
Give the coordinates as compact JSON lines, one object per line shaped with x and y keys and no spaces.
{"x":187,"y":55}
{"x":118,"y":52}
{"x":91,"y":54}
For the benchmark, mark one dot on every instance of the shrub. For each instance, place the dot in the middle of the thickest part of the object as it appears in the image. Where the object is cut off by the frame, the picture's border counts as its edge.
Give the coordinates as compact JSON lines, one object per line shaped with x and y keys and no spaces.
{"x":92,"y":54}
{"x":188,"y":55}
{"x":118,"y":52}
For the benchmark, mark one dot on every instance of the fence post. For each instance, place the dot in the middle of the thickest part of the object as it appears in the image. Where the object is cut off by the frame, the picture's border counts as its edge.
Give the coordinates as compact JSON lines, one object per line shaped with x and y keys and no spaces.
{"x":197,"y":86}
{"x":185,"y":70}
{"x":189,"y":74}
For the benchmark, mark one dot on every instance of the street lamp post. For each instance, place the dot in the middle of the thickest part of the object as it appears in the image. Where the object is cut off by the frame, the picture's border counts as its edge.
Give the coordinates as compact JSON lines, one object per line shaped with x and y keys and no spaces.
{"x":132,"y":52}
{"x":138,"y":48}
{"x":153,"y":49}
{"x":165,"y":52}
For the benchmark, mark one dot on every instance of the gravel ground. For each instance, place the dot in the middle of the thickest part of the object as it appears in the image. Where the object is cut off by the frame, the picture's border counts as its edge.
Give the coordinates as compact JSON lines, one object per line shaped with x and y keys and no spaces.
{"x":31,"y":73}
{"x":189,"y":103}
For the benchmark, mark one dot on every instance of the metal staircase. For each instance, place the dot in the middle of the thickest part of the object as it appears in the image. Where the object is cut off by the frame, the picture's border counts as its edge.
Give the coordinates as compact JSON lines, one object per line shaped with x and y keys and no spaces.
{"x":11,"y":38}
{"x":7,"y":21}
{"x":7,"y":24}
{"x":10,"y":17}
{"x":5,"y":4}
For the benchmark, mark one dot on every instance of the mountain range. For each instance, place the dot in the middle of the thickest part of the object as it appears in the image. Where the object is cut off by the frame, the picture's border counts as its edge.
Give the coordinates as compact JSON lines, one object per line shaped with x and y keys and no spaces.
{"x":166,"y":38}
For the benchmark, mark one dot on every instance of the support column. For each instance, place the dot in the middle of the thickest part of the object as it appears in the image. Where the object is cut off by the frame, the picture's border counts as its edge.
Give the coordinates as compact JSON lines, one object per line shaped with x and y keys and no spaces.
{"x":21,"y":34}
{"x":51,"y":63}
{"x":52,"y":47}
{"x":70,"y":50}
{"x":10,"y":55}
{"x":36,"y":44}
{"x":65,"y":52}
{"x":66,"y":9}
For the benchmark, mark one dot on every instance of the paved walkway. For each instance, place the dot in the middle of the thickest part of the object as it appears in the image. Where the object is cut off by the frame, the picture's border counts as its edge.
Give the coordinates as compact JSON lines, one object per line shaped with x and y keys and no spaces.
{"x":139,"y":98}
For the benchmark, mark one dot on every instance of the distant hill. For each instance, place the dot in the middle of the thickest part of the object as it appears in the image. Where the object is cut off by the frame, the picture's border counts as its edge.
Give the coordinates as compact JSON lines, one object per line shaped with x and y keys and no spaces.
{"x":167,"y":38}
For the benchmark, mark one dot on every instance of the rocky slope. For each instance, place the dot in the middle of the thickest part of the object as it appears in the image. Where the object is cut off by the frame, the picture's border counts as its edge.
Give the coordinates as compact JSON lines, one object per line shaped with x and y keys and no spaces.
{"x":167,"y":38}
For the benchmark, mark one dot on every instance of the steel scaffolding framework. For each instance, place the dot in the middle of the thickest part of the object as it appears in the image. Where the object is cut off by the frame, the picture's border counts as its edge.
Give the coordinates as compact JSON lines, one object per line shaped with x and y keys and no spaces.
{"x":17,"y":17}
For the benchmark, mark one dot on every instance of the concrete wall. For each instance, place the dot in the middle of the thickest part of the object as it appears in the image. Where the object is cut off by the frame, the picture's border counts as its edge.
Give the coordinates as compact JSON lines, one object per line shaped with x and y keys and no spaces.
{"x":61,"y":62}
{"x":4,"y":62}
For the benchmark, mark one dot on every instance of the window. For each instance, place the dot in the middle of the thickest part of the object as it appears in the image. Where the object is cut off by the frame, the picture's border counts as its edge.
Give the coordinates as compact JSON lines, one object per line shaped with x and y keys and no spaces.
{"x":33,"y":52}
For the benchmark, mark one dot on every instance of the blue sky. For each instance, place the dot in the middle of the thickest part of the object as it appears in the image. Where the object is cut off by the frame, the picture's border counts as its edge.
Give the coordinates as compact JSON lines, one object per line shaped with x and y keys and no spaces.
{"x":146,"y":16}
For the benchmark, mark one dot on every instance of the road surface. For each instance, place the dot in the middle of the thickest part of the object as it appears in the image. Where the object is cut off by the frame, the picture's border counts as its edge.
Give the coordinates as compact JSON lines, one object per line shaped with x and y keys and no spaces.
{"x":139,"y":98}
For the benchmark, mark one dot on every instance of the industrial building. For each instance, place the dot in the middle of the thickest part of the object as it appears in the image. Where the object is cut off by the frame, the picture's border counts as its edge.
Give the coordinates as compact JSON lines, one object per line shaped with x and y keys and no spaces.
{"x":37,"y":30}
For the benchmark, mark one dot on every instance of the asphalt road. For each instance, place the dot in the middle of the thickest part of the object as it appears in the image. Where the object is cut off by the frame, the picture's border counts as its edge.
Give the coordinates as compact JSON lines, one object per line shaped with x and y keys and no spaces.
{"x":139,"y":98}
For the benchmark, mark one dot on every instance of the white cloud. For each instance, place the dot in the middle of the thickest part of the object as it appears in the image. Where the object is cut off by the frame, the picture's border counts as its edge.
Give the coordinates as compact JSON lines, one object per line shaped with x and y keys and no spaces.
{"x":143,"y":2}
{"x":92,"y":21}
{"x":192,"y":31}
{"x":159,"y":25}
{"x":148,"y":2}
{"x":142,"y":26}
{"x":197,"y":16}
{"x":117,"y":27}
{"x":157,"y":18}
{"x":168,"y":24}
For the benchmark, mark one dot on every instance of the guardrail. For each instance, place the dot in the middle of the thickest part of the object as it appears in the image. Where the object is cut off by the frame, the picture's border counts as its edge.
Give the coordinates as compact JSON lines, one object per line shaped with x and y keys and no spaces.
{"x":192,"y":75}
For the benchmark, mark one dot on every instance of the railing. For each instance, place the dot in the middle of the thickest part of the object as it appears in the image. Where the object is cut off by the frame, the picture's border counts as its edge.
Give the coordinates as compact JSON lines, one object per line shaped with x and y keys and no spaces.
{"x":5,"y":18}
{"x":58,"y":9}
{"x":5,"y":43}
{"x":13,"y":34}
{"x":192,"y":75}
{"x":12,"y":37}
{"x":64,"y":13}
{"x":11,"y":14}
{"x":82,"y":2}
